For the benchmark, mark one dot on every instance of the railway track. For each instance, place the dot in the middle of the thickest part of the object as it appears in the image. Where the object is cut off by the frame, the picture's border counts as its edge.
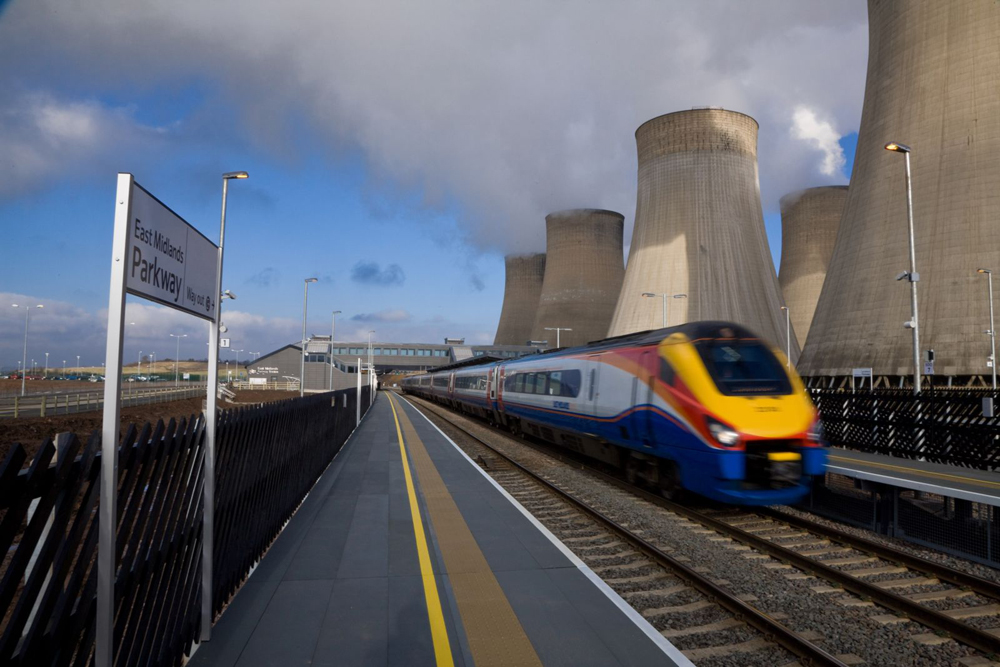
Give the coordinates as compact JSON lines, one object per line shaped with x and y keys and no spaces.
{"x":851,"y":571}
{"x":656,"y":583}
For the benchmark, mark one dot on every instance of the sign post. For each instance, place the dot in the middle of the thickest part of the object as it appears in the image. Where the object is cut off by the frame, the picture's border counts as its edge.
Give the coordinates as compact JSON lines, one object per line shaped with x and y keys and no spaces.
{"x":158,"y":256}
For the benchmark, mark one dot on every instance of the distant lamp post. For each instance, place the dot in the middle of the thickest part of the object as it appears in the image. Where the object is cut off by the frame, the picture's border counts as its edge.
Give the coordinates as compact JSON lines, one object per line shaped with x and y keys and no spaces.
{"x":237,"y":363}
{"x":78,"y":364}
{"x":24,"y":354}
{"x":46,"y":365}
{"x":64,"y":369}
{"x":177,"y":356}
{"x":992,"y":332}
{"x":138,"y":368}
{"x":788,"y":337}
{"x":333,"y":332}
{"x":912,"y":276}
{"x":302,"y":371}
{"x":558,"y":331}
{"x":664,"y":297}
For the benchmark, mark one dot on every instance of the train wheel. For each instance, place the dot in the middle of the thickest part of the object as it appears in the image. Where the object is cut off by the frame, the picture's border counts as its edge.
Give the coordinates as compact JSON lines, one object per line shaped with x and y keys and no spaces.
{"x":670,"y":482}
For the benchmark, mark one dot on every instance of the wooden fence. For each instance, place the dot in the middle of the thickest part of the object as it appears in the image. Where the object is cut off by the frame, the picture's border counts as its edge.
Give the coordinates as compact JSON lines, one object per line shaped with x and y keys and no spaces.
{"x":268,"y":458}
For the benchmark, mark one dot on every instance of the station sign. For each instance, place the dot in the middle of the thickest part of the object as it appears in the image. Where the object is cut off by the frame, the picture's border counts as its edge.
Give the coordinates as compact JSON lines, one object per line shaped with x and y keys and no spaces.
{"x":928,"y":368}
{"x":223,"y":342}
{"x":861,"y":372}
{"x":169,"y":261}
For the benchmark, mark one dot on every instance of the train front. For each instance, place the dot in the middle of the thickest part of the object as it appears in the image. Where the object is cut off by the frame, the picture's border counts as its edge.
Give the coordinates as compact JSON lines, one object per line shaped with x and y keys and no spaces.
{"x":760,"y":441}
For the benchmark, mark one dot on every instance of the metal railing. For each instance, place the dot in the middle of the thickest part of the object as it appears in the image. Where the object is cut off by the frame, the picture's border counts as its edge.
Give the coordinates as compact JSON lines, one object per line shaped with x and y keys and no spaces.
{"x":268,"y":458}
{"x":41,"y":405}
{"x":937,"y":425}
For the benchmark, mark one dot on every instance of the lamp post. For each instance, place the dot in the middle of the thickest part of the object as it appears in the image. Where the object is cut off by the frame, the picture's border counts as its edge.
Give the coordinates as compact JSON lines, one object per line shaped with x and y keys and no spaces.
{"x":371,"y":369}
{"x":788,"y":337}
{"x":210,"y":410}
{"x":138,"y":368}
{"x":992,"y":332}
{"x":64,"y":369}
{"x":664,"y":298}
{"x":46,"y":365}
{"x":333,"y":331}
{"x":912,"y":276}
{"x":558,"y":330}
{"x":302,"y":371}
{"x":177,"y":356}
{"x":238,"y":363}
{"x":78,"y":364}
{"x":24,"y":354}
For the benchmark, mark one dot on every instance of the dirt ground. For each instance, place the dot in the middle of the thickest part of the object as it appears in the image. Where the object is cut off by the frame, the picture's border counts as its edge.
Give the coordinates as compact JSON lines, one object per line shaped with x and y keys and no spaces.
{"x":32,"y":431}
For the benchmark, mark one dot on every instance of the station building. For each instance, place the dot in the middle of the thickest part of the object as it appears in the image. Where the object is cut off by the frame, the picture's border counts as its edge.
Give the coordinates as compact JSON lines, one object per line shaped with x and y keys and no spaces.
{"x":284,"y":364}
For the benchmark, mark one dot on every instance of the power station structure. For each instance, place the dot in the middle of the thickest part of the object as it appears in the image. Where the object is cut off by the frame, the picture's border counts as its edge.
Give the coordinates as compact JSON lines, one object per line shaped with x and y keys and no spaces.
{"x":583,"y":276}
{"x":522,"y":290}
{"x":809,"y":222}
{"x":933,"y":77}
{"x":699,"y":228}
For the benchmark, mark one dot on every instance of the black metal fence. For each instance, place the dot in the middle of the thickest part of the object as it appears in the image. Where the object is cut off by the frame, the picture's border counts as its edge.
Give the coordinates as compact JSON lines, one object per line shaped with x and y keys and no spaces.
{"x":937,"y":425}
{"x":267,"y":459}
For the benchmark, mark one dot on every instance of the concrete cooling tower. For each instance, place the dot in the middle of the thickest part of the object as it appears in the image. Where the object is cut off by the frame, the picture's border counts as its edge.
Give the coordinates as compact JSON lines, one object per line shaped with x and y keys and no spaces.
{"x":809,"y":221}
{"x":583,"y":275}
{"x":933,"y":77}
{"x":699,"y":228}
{"x":520,"y":298}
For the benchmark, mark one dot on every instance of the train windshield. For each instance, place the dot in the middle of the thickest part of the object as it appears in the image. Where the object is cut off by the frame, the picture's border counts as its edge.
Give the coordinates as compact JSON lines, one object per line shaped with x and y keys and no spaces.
{"x":742,"y":367}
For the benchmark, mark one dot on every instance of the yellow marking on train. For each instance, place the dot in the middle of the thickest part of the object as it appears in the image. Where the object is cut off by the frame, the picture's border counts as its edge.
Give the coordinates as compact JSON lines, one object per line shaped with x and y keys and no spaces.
{"x":439,"y":632}
{"x":927,"y":473}
{"x":783,"y":456}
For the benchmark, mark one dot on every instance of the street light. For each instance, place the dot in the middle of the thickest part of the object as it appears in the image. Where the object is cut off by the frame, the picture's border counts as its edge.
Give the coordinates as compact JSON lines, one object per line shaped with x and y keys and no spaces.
{"x":24,"y":355}
{"x":237,"y":363}
{"x":664,"y":297}
{"x":138,"y":371}
{"x":302,"y":371}
{"x":992,"y":331}
{"x":64,"y":369}
{"x":78,"y":365}
{"x":558,"y":330}
{"x":912,"y":274}
{"x":177,"y":356}
{"x":371,"y":369}
{"x":333,"y":331}
{"x":788,"y":337}
{"x":46,"y":365}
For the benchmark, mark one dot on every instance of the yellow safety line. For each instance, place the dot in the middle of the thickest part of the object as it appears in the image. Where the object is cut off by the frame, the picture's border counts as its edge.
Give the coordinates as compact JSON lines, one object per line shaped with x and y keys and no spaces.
{"x":969,"y":480}
{"x":439,"y":633}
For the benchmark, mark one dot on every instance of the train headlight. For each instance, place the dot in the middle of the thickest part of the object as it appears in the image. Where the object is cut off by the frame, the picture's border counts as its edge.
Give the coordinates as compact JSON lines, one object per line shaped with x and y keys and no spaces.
{"x":722,"y":433}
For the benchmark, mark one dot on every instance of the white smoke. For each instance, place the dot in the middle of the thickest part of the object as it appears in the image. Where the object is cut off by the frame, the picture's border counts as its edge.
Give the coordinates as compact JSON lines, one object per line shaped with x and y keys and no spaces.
{"x":823,"y":136}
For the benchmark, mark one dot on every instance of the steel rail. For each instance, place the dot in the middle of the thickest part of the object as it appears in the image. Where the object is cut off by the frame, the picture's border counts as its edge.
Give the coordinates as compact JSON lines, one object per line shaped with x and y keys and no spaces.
{"x":771,"y":628}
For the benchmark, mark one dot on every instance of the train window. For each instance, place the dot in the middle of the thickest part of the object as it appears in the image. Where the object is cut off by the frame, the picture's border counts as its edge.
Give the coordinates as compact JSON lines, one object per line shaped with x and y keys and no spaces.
{"x":555,"y":383}
{"x":666,"y":372}
{"x":741,"y":367}
{"x":540,"y":382}
{"x":519,"y":383}
{"x":529,"y":383}
{"x":570,"y":381}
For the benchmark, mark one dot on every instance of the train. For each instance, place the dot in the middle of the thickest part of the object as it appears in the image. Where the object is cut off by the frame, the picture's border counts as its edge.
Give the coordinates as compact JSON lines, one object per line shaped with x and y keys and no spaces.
{"x":705,"y":407}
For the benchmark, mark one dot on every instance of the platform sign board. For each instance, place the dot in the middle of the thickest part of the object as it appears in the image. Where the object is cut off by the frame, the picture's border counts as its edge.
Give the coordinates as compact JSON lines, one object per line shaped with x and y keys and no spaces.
{"x":861,"y":373}
{"x":223,"y":342}
{"x":169,"y":261}
{"x":158,"y":256}
{"x":928,"y":368}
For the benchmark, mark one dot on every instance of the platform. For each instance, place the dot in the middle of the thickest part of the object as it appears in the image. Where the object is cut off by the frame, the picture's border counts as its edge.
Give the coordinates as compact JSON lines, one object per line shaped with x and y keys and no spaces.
{"x":978,"y":486}
{"x":407,"y":553}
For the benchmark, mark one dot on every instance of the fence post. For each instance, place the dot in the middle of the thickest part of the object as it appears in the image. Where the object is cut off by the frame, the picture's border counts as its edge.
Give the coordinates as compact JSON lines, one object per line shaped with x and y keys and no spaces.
{"x":43,"y":404}
{"x":17,"y":403}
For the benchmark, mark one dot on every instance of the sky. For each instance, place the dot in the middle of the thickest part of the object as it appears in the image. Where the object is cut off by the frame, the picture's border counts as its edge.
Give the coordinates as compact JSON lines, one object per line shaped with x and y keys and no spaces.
{"x":396,"y":150}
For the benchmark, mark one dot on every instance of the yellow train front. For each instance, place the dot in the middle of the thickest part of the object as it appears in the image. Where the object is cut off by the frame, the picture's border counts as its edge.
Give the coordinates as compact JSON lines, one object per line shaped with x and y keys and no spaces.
{"x":745,"y":429}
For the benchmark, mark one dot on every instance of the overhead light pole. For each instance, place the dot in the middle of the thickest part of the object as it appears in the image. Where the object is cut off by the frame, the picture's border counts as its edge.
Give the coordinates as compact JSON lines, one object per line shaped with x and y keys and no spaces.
{"x":24,"y":354}
{"x":64,"y":369}
{"x":238,"y":363}
{"x":78,"y":364}
{"x":302,"y":371}
{"x":46,"y":366}
{"x":371,"y":369}
{"x":912,"y":276}
{"x":558,"y":330}
{"x":177,"y":356}
{"x":208,"y":524}
{"x":138,"y":371}
{"x":788,"y":337}
{"x":333,"y":332}
{"x":664,"y":297}
{"x":992,"y":332}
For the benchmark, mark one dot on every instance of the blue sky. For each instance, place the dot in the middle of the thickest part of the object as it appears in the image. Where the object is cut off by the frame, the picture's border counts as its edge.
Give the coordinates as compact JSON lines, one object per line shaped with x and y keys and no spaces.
{"x":395,"y":157}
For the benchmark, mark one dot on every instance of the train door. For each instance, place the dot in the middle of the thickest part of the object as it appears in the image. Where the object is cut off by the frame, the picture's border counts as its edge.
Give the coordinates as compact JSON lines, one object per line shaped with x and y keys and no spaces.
{"x":647,"y":431}
{"x":593,"y":383}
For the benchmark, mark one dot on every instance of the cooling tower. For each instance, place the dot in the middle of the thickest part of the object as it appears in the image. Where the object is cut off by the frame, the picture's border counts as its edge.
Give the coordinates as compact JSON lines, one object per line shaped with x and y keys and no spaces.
{"x":583,"y":275}
{"x":699,"y":228}
{"x":809,"y":221}
{"x":933,"y":77}
{"x":520,"y":298}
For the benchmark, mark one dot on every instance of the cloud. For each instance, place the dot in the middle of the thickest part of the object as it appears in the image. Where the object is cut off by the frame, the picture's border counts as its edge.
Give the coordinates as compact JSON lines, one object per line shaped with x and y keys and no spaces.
{"x":396,"y":315}
{"x":501,"y":112}
{"x":263,"y":278}
{"x":369,"y":273}
{"x":822,"y":135}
